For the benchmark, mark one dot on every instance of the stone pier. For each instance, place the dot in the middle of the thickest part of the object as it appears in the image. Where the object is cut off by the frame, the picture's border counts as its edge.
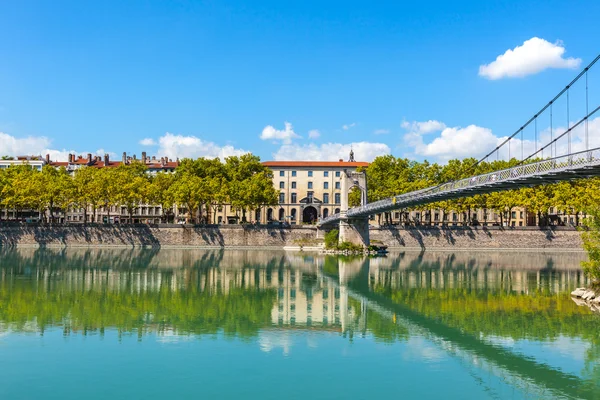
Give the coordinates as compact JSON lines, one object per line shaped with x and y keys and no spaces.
{"x":355,"y":231}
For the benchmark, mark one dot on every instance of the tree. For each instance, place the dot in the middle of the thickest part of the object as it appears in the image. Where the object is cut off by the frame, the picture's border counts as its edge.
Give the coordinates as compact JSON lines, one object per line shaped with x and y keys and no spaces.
{"x":159,"y":192}
{"x":131,"y":184}
{"x":591,"y":243}
{"x":54,"y":188}
{"x":185,"y":191}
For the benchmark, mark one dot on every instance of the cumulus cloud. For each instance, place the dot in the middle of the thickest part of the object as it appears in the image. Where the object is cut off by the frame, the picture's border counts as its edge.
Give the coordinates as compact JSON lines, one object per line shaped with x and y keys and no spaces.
{"x":363,"y":151}
{"x":31,"y":145}
{"x":285,"y":135}
{"x":348,"y":126}
{"x":148,"y":142}
{"x":314,"y":134}
{"x":423,"y":127}
{"x":533,"y":56}
{"x":174,"y":146}
{"x":461,"y":142}
{"x":36,"y":146}
{"x":381,"y":131}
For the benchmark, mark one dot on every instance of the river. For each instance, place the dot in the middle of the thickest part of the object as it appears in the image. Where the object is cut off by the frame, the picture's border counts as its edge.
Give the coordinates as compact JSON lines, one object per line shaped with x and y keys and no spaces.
{"x":145,"y":323}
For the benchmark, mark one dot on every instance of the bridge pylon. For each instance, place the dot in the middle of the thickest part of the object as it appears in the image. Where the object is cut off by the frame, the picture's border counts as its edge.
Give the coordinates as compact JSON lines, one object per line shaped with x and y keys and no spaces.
{"x":353,"y":229}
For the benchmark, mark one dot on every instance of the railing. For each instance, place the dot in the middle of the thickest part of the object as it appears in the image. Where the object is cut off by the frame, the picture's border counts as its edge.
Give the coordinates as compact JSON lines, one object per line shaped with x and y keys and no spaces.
{"x":489,"y":182}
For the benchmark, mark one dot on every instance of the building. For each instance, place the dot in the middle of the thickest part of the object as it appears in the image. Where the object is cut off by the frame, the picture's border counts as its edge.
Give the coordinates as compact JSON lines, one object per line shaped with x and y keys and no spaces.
{"x":308,"y":190}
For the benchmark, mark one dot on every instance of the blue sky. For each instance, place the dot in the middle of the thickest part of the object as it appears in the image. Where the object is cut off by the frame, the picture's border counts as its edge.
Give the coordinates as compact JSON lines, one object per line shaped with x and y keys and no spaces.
{"x":212,"y":78}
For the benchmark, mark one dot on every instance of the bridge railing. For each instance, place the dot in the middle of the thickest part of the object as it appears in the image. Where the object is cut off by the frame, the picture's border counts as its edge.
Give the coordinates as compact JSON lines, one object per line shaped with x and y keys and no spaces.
{"x":494,"y":180}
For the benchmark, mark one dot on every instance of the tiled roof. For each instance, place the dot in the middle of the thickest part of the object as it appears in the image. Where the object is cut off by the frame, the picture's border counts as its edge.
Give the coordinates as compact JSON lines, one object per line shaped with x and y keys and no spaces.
{"x":317,"y":164}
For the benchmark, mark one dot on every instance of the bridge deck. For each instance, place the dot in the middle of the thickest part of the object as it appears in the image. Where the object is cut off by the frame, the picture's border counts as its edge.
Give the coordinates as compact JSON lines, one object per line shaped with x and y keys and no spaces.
{"x":584,"y":164}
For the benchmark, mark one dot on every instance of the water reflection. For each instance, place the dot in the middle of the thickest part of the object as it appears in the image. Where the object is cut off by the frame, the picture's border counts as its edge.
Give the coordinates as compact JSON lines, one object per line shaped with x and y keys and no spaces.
{"x":501,"y":314}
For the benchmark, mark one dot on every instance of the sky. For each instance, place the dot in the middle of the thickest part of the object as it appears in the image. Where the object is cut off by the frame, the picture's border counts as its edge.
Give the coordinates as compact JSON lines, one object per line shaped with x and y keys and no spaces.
{"x":291,"y":80}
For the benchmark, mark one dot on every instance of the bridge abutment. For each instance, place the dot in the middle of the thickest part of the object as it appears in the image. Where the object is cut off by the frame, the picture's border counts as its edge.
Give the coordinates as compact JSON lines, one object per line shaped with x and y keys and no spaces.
{"x":355,"y":231}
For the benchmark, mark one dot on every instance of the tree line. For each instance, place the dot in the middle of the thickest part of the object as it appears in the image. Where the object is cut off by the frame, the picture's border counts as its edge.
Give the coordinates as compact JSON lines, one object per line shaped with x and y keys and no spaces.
{"x":200,"y":186}
{"x":389,"y":176}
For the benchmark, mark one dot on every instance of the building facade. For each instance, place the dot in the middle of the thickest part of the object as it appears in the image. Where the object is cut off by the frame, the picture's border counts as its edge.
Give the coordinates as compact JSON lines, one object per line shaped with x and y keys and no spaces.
{"x":308,"y":190}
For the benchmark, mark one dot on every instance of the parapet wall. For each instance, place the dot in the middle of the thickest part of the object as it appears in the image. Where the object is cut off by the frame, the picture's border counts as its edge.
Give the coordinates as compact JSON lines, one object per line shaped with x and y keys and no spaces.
{"x":153,"y":235}
{"x":478,"y":237}
{"x":266,"y":236}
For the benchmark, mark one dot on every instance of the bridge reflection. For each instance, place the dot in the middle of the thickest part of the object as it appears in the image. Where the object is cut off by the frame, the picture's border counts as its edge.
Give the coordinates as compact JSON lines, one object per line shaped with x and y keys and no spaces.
{"x":459,"y":302}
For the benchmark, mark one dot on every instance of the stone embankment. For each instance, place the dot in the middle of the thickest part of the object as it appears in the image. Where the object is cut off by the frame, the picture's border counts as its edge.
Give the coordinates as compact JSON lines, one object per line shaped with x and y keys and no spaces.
{"x":588,"y":297}
{"x":492,"y":237}
{"x":279,"y":237}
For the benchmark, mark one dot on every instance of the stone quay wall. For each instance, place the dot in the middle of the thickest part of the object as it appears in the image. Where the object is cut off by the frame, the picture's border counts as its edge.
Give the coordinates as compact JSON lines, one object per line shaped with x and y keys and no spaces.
{"x":153,"y":235}
{"x":278,"y":237}
{"x":530,"y":237}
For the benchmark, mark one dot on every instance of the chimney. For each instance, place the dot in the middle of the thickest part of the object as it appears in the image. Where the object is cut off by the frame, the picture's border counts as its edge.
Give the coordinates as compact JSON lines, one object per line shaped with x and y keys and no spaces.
{"x":89,"y":158}
{"x":106,"y":160}
{"x":134,"y":157}
{"x":124,"y":158}
{"x":153,"y":158}
{"x":162,"y":161}
{"x":47,"y":158}
{"x":143,"y":157}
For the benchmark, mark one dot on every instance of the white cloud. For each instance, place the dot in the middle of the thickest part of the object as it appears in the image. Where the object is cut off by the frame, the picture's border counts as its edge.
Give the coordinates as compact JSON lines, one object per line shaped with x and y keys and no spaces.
{"x":424,"y":127}
{"x":363,"y":151}
{"x":458,"y":142}
{"x":381,"y":131}
{"x":348,"y":126}
{"x":174,"y":146}
{"x":314,"y":134}
{"x":148,"y":142}
{"x":533,"y":56}
{"x":37,"y":146}
{"x":286,"y":135}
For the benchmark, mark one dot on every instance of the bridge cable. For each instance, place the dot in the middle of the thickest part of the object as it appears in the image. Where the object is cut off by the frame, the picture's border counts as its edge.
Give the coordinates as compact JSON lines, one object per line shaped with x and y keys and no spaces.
{"x":548,"y":105}
{"x":568,"y":124}
{"x":587,"y":141}
{"x":581,"y":121}
{"x":551,"y":134}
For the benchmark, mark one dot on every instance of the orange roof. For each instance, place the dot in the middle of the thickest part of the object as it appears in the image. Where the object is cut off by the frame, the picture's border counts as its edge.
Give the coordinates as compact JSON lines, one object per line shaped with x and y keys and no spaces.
{"x":318,"y":164}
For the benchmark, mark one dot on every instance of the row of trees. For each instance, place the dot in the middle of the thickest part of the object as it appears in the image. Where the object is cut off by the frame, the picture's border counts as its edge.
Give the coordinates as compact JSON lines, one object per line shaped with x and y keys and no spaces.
{"x":199,"y":186}
{"x":390,"y":176}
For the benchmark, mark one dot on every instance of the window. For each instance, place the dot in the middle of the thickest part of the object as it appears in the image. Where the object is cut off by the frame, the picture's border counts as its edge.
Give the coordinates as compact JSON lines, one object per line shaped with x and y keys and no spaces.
{"x":325,"y":213}
{"x":310,"y":185}
{"x":293,"y":185}
{"x":326,"y":174}
{"x":337,"y":185}
{"x":294,"y":198}
{"x":436,"y":217}
{"x":325,"y":185}
{"x":310,"y":174}
{"x":281,"y":185}
{"x":513,"y":214}
{"x":520,"y":214}
{"x":281,"y":173}
{"x":293,"y":214}
{"x":325,"y":198}
{"x":337,"y":198}
{"x":281,"y":214}
{"x":337,"y":174}
{"x":293,"y":173}
{"x":282,"y":197}
{"x":454,"y":217}
{"x":310,"y":196}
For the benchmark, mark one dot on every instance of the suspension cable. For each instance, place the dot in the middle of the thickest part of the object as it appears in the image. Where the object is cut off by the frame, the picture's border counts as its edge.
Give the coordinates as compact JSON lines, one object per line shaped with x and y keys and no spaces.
{"x":541,"y":111}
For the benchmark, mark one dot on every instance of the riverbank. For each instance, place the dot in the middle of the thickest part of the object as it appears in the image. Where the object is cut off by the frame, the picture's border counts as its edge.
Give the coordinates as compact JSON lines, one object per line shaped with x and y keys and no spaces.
{"x":248,"y":236}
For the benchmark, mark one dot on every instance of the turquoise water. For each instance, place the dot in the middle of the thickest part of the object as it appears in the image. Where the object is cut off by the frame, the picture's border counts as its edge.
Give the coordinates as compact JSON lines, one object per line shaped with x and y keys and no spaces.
{"x":115,"y":323}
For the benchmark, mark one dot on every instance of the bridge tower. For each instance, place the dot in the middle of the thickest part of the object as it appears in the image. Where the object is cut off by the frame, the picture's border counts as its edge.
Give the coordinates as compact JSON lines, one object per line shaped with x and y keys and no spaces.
{"x":354,"y":230}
